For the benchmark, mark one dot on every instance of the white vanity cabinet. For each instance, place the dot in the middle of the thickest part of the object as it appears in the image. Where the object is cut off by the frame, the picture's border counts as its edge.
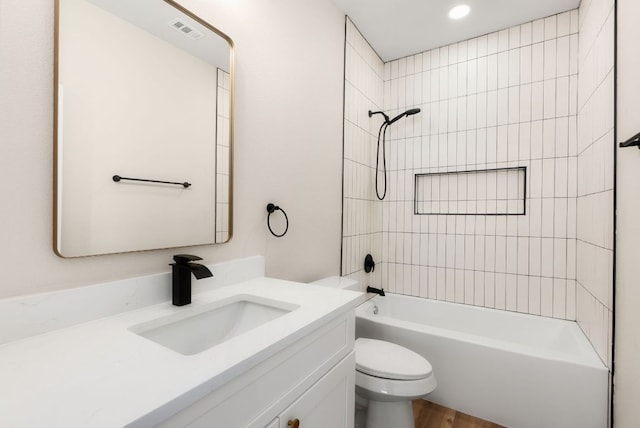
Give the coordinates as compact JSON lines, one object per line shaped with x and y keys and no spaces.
{"x":274,"y":423}
{"x":312,"y":380}
{"x":328,"y":403}
{"x":297,"y":365}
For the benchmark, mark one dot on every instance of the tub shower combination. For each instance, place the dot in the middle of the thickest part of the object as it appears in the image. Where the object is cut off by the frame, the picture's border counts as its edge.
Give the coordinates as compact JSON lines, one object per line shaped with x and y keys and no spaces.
{"x":517,"y":370}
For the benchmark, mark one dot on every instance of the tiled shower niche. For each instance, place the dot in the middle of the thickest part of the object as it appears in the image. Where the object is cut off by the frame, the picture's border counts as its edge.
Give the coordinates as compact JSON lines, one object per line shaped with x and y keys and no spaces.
{"x":499,"y":191}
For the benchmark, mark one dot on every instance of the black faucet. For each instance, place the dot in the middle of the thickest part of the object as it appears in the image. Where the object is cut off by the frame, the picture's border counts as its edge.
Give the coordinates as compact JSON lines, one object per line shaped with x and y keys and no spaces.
{"x":379,"y":291}
{"x":181,"y":283}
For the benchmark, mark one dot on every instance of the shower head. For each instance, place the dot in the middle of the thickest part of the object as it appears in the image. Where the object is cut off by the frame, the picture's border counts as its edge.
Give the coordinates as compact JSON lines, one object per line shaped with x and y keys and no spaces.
{"x":401,"y":115}
{"x":388,"y":121}
{"x":382,"y":133}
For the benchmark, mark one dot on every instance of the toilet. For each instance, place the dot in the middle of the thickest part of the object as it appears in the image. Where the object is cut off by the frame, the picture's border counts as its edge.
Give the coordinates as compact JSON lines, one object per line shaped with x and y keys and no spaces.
{"x":388,"y":377}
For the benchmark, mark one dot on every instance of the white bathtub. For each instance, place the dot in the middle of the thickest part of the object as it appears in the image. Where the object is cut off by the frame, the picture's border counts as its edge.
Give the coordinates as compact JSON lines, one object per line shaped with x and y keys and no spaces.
{"x":517,"y":370}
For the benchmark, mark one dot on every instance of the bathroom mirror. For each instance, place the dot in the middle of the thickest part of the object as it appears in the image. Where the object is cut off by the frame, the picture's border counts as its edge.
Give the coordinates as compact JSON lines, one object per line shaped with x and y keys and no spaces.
{"x":143,"y":128}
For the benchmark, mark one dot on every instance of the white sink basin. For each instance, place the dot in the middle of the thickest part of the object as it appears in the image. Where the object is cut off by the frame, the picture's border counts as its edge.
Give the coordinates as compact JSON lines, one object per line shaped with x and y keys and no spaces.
{"x":193,"y":330}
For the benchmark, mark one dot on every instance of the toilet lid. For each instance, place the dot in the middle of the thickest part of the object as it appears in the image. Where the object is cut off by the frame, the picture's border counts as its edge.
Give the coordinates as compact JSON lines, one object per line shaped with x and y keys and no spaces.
{"x":390,"y":361}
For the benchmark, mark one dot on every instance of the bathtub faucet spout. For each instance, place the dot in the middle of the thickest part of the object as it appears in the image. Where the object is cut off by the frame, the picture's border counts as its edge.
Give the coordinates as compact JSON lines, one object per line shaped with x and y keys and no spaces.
{"x":379,"y":291}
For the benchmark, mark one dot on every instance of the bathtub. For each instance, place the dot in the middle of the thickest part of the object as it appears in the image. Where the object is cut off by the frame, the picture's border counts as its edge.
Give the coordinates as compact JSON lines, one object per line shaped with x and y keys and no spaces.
{"x":517,"y":370}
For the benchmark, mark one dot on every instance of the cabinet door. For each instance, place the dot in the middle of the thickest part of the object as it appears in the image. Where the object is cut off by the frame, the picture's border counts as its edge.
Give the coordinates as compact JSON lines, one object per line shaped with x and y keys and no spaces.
{"x":274,"y":423}
{"x":328,"y":403}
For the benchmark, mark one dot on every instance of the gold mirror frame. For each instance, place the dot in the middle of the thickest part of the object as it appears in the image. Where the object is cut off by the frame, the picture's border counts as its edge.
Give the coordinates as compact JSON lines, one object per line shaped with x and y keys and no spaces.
{"x":57,"y":146}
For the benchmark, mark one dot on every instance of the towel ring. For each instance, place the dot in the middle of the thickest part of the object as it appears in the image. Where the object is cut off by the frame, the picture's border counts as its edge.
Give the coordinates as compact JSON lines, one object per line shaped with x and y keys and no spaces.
{"x":271,"y":208}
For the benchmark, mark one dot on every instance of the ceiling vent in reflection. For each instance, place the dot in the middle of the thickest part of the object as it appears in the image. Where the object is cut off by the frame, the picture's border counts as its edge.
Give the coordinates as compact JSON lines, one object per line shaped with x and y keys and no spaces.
{"x":179,"y":25}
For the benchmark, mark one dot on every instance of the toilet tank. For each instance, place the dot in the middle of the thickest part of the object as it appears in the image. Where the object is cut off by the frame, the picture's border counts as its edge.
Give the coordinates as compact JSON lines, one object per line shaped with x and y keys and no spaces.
{"x":338,"y":282}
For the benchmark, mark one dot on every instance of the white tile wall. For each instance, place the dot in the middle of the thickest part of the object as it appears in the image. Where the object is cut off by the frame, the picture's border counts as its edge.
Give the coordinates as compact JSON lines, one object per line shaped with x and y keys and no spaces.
{"x":497,"y":101}
{"x":223,"y":153}
{"x":507,"y":99}
{"x":362,"y":215}
{"x":595,"y":174}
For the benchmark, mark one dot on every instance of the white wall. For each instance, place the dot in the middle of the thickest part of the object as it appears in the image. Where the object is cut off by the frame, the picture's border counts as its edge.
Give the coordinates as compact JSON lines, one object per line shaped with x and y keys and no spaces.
{"x":362,"y":215}
{"x":503,"y":100}
{"x":594,"y":291}
{"x":288,"y":144}
{"x":627,"y":317}
{"x":506,"y":99}
{"x":511,"y":98}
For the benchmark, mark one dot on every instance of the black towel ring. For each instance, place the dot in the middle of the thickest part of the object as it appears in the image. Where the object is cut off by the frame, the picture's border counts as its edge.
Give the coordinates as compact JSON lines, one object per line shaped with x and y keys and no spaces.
{"x":271,"y":208}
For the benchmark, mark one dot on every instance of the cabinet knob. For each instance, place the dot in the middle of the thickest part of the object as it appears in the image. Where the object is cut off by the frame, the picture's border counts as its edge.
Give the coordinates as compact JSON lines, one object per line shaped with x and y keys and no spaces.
{"x":293,"y":423}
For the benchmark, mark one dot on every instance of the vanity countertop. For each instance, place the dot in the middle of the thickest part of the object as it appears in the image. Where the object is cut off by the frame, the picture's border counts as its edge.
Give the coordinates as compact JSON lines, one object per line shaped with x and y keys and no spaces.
{"x":100,"y":374}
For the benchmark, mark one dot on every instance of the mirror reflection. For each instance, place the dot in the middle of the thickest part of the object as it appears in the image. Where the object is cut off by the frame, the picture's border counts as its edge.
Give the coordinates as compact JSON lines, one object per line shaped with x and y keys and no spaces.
{"x":144,"y":92}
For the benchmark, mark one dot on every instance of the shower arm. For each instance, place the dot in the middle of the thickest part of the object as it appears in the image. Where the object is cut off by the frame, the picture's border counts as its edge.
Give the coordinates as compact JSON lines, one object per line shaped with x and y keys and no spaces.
{"x":386,"y":118}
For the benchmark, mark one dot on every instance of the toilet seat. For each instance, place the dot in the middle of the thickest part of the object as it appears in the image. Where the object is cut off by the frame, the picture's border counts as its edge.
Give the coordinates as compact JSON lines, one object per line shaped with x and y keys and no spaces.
{"x":387,"y":360}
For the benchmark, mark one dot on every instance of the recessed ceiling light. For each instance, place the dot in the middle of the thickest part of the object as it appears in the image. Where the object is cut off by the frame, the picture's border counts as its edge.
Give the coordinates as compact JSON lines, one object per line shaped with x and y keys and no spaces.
{"x":459,"y":11}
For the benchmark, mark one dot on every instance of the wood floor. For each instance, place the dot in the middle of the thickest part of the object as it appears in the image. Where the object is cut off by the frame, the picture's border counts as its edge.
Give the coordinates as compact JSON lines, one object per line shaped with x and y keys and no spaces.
{"x":430,"y":415}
